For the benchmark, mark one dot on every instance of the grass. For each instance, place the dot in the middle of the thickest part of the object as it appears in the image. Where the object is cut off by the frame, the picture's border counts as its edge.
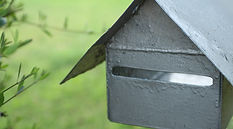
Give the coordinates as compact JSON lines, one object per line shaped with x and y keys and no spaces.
{"x":80,"y":103}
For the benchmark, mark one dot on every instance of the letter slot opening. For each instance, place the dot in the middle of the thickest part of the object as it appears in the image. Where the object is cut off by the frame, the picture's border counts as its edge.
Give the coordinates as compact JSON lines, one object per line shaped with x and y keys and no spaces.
{"x":181,"y":78}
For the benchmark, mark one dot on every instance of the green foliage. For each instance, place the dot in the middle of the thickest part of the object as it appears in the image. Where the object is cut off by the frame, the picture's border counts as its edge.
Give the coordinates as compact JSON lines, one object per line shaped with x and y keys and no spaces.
{"x":1,"y":98}
{"x":22,"y":86}
{"x":8,"y":16}
{"x":8,"y":48}
{"x":44,"y":75}
{"x":8,"y":10}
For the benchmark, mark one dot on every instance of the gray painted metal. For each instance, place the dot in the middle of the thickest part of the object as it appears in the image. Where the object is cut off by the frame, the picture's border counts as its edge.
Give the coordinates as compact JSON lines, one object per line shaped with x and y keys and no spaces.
{"x":152,"y":41}
{"x":157,"y":104}
{"x":209,"y":25}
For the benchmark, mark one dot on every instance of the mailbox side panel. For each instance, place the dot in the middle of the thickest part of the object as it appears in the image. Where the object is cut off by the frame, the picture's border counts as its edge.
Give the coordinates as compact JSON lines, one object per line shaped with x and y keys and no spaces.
{"x":159,"y":104}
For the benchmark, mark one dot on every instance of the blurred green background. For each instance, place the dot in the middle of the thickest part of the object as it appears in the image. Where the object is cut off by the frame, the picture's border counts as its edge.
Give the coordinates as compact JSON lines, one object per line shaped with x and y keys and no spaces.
{"x":80,"y":103}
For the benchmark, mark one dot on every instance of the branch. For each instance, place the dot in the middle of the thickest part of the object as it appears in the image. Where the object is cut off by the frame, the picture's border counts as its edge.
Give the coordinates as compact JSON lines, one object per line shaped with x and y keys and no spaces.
{"x":61,"y":29}
{"x":29,"y":86}
{"x":16,"y":83}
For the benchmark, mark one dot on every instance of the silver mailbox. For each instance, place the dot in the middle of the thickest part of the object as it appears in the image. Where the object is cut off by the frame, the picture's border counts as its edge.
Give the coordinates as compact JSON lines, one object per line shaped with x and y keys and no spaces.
{"x":161,"y":74}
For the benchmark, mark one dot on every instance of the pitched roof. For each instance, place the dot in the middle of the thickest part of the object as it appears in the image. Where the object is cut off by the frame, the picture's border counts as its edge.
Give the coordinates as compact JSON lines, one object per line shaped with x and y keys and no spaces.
{"x":96,"y":54}
{"x":207,"y":23}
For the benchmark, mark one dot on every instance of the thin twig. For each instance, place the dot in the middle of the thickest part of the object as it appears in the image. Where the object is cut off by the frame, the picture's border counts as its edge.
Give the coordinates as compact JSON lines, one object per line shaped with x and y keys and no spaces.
{"x":17,"y":83}
{"x":21,"y":91}
{"x":61,"y":29}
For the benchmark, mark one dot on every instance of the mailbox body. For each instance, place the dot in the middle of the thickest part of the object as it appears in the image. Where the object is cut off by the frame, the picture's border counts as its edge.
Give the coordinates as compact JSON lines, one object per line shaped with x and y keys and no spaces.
{"x":145,"y":48}
{"x":151,"y":42}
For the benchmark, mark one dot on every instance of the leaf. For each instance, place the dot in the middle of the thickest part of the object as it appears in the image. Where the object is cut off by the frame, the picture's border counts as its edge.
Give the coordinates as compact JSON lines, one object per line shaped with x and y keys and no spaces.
{"x":16,"y":36}
{"x":10,"y":50}
{"x":1,"y":99}
{"x":35,"y":71}
{"x":20,"y":90}
{"x":25,"y":42}
{"x":43,"y":75}
{"x":47,"y":32}
{"x":21,"y":83}
{"x":3,"y":66}
{"x":66,"y":23}
{"x":4,"y":12}
{"x":3,"y":40}
{"x":19,"y":71}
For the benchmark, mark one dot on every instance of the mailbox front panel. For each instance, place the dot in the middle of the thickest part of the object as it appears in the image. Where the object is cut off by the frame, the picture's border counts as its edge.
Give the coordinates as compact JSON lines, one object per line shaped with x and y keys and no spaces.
{"x":136,"y":99}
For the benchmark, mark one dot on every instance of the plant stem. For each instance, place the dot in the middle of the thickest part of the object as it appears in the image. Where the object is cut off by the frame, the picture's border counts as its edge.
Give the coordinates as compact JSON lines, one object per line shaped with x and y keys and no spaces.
{"x":17,"y":83}
{"x":29,"y":86}
{"x":62,"y":29}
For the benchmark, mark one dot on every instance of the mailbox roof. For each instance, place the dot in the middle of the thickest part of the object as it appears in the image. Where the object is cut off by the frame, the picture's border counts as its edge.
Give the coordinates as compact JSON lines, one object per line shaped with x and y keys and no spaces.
{"x":207,"y":23}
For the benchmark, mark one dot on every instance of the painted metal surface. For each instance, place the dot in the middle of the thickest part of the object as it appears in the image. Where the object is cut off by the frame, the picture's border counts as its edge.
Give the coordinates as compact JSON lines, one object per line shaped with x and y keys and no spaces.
{"x":209,"y":25}
{"x":160,"y":104}
{"x":161,"y":46}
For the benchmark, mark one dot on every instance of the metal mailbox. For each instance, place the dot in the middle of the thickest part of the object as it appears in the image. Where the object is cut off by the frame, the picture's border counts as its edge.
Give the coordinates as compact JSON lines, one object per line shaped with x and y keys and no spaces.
{"x":161,"y":72}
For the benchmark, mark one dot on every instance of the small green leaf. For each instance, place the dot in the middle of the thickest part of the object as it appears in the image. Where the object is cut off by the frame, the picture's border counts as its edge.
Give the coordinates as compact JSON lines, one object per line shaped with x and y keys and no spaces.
{"x":21,"y":84}
{"x":47,"y":32}
{"x":3,"y":40}
{"x":19,"y":71}
{"x":44,"y":75}
{"x":4,"y":12}
{"x":3,"y":66}
{"x":1,"y":99}
{"x":20,"y":90}
{"x":10,"y":50}
{"x":25,"y":42}
{"x":35,"y":71}
{"x":66,"y":23}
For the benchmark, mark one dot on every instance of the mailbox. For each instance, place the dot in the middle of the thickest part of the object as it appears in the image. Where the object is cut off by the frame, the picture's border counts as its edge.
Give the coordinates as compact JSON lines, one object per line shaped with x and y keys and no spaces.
{"x":163,"y":71}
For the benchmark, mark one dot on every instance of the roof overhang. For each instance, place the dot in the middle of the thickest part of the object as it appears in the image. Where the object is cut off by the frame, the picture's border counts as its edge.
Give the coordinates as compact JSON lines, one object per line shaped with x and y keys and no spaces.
{"x":209,"y":24}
